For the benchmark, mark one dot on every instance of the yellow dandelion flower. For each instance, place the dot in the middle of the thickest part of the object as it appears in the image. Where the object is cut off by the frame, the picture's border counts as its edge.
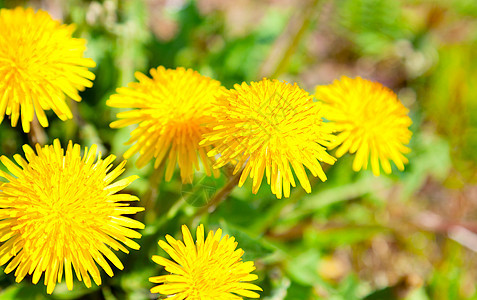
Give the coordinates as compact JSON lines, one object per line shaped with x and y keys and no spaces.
{"x":60,"y":210}
{"x":270,"y":126}
{"x":371,"y":122}
{"x":171,"y":108}
{"x":207,"y":270}
{"x":40,"y":62}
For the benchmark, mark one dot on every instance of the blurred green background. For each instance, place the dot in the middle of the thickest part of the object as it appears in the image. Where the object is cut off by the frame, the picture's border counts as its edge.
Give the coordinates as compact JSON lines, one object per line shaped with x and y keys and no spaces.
{"x":411,"y":235}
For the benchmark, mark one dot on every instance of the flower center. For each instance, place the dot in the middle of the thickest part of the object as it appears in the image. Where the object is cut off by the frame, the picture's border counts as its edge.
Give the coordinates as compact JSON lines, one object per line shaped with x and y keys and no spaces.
{"x":207,"y":276}
{"x":61,"y":200}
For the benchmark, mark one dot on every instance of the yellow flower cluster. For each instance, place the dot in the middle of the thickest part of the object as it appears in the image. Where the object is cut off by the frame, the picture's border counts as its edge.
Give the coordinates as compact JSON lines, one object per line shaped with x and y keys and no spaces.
{"x":60,"y":210}
{"x":268,"y":128}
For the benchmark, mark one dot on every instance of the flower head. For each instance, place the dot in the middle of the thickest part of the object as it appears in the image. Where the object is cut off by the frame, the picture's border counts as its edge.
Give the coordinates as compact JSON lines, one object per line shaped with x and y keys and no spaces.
{"x":207,"y":270}
{"x":371,"y":121}
{"x":40,"y":62}
{"x":270,"y":126}
{"x":170,"y":109}
{"x":60,"y":210}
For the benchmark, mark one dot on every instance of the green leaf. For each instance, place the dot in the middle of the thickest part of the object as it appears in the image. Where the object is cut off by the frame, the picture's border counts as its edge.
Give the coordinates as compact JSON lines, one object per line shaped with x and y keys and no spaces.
{"x":298,"y":291}
{"x":340,"y":236}
{"x":303,"y":268}
{"x":24,"y":291}
{"x":254,"y":247}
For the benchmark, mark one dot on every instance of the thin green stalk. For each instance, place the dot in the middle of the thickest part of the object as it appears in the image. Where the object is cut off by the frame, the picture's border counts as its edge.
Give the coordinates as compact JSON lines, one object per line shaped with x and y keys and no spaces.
{"x":297,"y":31}
{"x":275,"y":211}
{"x":220,"y":196}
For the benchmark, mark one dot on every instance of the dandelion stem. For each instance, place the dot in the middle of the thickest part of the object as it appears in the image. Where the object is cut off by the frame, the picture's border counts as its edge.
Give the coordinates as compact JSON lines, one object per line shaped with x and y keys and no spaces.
{"x":276,"y":210}
{"x":221,"y":195}
{"x":289,"y":42}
